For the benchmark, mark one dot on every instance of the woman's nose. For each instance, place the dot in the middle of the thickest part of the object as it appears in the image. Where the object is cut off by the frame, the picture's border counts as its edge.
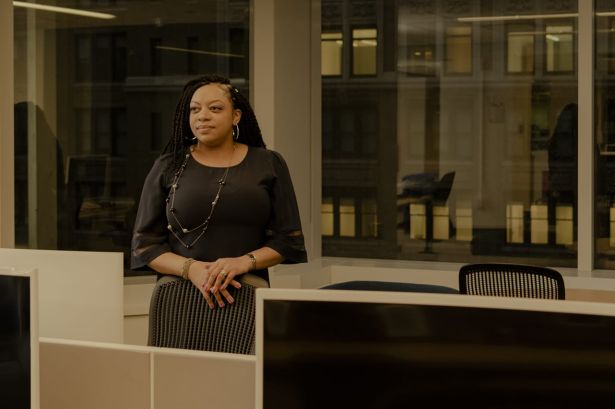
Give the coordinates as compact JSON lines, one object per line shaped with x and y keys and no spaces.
{"x":203,"y":115}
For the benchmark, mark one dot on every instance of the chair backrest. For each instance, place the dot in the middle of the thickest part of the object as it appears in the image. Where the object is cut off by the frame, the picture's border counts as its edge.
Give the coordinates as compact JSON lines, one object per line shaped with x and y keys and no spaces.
{"x":360,"y":285}
{"x":511,"y":280}
{"x":180,"y":318}
{"x":443,"y":188}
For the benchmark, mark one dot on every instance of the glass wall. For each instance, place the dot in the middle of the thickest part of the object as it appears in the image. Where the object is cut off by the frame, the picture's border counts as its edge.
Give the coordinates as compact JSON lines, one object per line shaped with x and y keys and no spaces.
{"x":604,"y":134}
{"x":450,"y":130}
{"x":94,"y":102}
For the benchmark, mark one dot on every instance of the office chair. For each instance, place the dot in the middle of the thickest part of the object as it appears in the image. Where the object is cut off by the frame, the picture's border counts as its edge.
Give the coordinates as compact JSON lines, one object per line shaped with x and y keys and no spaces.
{"x":359,"y":285}
{"x":511,"y":280}
{"x":180,"y":318}
{"x":438,"y":198}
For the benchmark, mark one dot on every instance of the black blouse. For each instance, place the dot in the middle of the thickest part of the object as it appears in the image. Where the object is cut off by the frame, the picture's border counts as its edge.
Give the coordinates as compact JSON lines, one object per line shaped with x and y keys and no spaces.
{"x":257,"y":208}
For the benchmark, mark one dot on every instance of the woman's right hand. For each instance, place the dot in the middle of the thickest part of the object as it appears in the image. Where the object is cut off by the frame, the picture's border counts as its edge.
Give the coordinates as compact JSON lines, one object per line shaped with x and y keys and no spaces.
{"x":199,"y":276}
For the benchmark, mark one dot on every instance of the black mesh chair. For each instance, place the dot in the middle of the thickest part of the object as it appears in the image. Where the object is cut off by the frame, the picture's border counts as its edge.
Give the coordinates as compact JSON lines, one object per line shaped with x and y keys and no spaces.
{"x":360,"y":285}
{"x":180,"y":318}
{"x":511,"y":280}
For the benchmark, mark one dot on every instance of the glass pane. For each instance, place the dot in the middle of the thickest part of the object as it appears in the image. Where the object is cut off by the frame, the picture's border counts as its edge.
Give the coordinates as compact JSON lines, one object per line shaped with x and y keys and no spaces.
{"x":347,"y":217}
{"x":520,"y":49}
{"x":327,"y":217}
{"x":364,"y":46}
{"x":460,"y":168}
{"x":459,"y":50}
{"x":331,"y":53}
{"x":604,"y":134}
{"x":369,"y":218}
{"x":94,"y":105}
{"x":560,"y":48}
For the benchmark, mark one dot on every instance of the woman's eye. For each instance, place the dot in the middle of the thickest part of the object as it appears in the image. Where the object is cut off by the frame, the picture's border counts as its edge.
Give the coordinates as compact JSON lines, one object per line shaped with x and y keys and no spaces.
{"x":193,"y":109}
{"x":216,"y":108}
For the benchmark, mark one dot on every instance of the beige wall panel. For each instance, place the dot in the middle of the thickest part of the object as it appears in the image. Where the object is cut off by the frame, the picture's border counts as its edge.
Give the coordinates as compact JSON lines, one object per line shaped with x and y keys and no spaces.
{"x":203,"y":379}
{"x":80,"y":377}
{"x":81,"y":294}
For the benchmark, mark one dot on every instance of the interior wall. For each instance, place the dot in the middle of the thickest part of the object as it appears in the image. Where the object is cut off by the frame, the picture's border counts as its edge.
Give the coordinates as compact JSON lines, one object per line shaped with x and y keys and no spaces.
{"x":286,"y":89}
{"x":7,"y":212}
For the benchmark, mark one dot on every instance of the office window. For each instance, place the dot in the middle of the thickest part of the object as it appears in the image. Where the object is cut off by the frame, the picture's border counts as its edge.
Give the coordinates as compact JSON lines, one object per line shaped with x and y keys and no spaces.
{"x":520,"y":49}
{"x":347,"y":217}
{"x":559,"y":48}
{"x":83,"y":57}
{"x":83,"y":127}
{"x":369,"y":218}
{"x":331,"y":53}
{"x":464,"y":149}
{"x":364,"y":50}
{"x":97,"y":106}
{"x":604,"y":137}
{"x":192,"y":46}
{"x":119,"y":60}
{"x":328,"y":216}
{"x":416,"y":41}
{"x":156,"y":133}
{"x":155,"y":59}
{"x":459,"y":50}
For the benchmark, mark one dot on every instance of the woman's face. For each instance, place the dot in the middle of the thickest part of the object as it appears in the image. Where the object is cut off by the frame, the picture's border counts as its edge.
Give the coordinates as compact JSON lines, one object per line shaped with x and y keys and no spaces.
{"x":212,"y":115}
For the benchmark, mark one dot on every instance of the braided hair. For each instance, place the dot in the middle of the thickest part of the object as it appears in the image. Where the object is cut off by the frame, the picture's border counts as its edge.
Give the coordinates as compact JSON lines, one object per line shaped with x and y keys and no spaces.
{"x":182,"y":137}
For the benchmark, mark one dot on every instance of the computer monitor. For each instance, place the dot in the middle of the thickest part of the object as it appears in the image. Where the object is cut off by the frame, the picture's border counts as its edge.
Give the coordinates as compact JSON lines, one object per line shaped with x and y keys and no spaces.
{"x":19,"y":373}
{"x":348,"y":349}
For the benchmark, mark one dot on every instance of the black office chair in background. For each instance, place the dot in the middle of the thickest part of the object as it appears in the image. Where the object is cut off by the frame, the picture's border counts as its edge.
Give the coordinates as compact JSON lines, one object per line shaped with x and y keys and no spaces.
{"x":439,"y":196}
{"x":360,"y":285}
{"x":511,"y":280}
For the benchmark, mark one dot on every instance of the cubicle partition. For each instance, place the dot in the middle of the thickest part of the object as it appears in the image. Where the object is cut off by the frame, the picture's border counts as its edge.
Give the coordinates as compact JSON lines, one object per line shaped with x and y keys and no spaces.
{"x":83,"y":374}
{"x":81,"y":293}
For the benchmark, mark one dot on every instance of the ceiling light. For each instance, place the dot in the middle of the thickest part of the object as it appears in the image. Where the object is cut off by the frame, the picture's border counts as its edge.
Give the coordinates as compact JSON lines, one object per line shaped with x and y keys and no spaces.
{"x":64,"y":10}
{"x":516,"y":17}
{"x":189,"y":50}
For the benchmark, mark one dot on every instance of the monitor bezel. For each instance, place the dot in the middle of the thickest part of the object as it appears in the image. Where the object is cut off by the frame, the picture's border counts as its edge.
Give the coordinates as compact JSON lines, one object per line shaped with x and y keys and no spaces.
{"x":32,"y":275}
{"x":452,"y":300}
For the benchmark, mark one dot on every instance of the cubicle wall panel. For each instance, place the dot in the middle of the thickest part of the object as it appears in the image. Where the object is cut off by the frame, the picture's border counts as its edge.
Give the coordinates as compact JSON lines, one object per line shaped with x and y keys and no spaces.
{"x":78,"y":377}
{"x":187,"y":379}
{"x":81,"y":293}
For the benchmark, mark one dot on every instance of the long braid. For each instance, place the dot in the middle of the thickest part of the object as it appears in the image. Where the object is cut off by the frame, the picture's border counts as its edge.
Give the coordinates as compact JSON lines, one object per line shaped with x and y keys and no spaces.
{"x":182,"y":137}
{"x":249,"y":131}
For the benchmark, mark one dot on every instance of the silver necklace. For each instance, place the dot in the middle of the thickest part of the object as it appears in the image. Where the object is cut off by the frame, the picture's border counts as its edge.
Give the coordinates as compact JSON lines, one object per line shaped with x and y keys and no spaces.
{"x":173,"y":211}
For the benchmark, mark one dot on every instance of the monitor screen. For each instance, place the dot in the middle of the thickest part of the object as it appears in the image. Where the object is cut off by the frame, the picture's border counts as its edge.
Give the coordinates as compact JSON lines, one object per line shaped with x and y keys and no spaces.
{"x":331,"y":349}
{"x":18,"y":340}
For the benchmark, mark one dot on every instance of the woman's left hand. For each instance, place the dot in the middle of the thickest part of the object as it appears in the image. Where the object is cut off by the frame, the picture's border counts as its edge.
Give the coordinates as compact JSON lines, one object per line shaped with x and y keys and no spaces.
{"x":223,"y":271}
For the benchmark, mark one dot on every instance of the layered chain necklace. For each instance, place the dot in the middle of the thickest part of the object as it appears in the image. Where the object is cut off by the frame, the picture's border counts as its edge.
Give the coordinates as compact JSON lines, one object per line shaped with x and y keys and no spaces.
{"x":172,"y":213}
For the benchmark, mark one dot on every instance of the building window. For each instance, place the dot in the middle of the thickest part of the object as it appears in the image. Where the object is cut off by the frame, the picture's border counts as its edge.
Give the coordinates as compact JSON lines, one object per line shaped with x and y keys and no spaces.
{"x":459,"y":50}
{"x":327,"y":217}
{"x":192,"y":45}
{"x":520,"y":49}
{"x":464,"y":148}
{"x":104,"y":96}
{"x":369,"y":218}
{"x":155,"y":57}
{"x":559,"y":48}
{"x":347,"y":217}
{"x":331,"y":46}
{"x":364,"y":51}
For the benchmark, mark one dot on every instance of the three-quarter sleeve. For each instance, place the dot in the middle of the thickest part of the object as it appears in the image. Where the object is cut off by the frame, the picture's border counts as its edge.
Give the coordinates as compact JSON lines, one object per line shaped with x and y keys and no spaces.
{"x":284,"y":233}
{"x":150,"y":235}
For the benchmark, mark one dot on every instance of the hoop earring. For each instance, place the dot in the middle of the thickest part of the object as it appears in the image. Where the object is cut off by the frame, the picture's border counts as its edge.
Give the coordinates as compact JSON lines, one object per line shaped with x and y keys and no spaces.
{"x":236,"y":134}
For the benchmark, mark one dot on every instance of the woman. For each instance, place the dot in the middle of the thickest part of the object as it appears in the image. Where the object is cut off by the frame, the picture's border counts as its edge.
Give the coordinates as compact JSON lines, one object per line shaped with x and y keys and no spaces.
{"x":216,"y":204}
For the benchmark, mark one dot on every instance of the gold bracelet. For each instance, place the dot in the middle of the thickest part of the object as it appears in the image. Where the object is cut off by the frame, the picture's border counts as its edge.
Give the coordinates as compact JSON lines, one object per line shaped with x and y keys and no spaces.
{"x":186,"y":267}
{"x":253,"y":260}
